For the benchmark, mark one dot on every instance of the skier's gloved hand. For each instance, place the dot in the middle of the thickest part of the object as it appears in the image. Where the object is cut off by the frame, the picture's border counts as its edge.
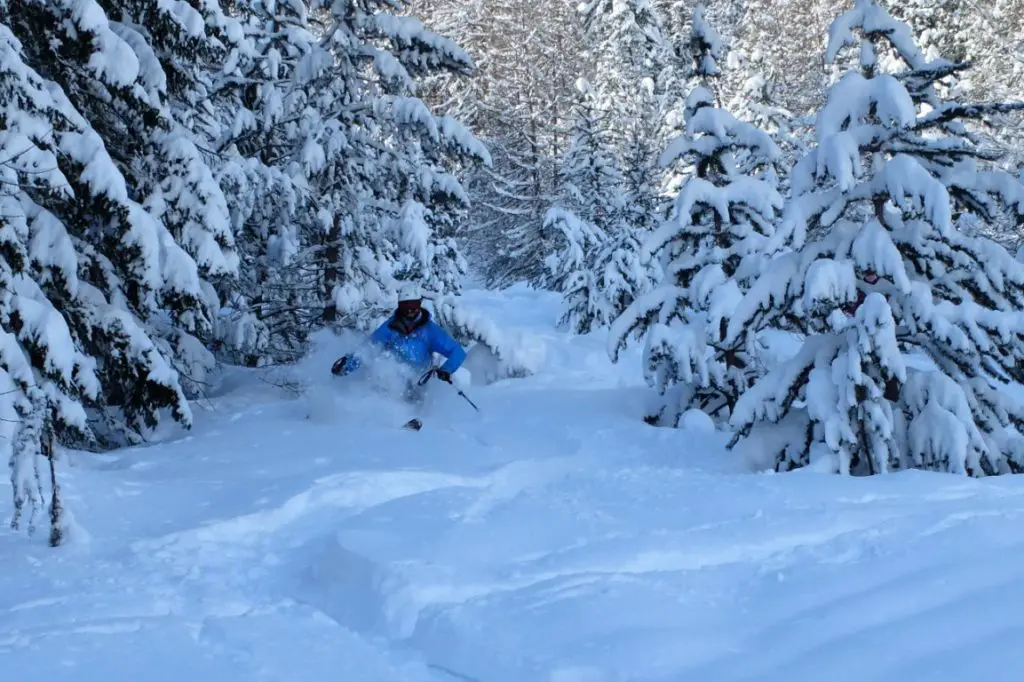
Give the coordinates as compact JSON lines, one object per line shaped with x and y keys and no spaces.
{"x":443,"y":376}
{"x":338,"y":368}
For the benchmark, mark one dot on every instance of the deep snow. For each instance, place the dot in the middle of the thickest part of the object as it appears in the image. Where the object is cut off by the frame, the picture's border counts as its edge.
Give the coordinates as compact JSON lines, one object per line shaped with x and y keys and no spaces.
{"x":553,"y":537}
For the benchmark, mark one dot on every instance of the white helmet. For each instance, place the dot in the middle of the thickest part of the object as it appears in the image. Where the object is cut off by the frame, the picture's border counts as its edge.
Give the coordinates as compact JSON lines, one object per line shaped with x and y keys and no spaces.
{"x":409,"y":291}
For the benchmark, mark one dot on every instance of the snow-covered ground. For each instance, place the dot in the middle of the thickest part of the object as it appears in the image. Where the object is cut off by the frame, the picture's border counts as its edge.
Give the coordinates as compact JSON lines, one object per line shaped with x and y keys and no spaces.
{"x":553,"y":537}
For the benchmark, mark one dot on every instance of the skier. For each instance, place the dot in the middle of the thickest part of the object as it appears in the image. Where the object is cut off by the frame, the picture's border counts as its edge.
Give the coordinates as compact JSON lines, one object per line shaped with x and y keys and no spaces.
{"x":412,"y":337}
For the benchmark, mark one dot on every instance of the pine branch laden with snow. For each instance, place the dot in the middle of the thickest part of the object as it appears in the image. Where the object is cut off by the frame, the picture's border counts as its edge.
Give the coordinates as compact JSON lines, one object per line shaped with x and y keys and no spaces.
{"x":514,"y":354}
{"x":418,"y":51}
{"x":935,"y":130}
{"x":572,"y":269}
{"x":193,"y":206}
{"x":621,"y":275}
{"x":706,"y":47}
{"x":911,"y":326}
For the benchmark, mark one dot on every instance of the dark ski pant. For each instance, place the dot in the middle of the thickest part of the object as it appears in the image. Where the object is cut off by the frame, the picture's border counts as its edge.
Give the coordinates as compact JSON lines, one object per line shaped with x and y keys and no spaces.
{"x":414,"y":393}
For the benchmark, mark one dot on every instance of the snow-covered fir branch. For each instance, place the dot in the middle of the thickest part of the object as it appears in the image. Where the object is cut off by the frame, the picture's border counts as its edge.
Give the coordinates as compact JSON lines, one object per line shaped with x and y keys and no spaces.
{"x":508,"y":354}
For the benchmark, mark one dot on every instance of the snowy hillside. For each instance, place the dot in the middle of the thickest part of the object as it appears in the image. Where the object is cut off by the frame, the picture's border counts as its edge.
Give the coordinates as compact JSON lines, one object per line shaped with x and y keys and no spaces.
{"x":551,"y":537}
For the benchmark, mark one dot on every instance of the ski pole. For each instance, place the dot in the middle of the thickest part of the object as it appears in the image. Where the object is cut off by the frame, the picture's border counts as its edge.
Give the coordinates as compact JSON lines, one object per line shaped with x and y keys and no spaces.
{"x":467,"y":399}
{"x":431,"y":372}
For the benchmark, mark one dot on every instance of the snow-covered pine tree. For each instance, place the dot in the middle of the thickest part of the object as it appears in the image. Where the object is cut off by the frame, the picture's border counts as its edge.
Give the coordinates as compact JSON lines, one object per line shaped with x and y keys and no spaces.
{"x":617,"y":274}
{"x":711,"y":247}
{"x":591,"y":181}
{"x":252,"y":113}
{"x":471,"y":25}
{"x":44,"y":378}
{"x":638,"y":152}
{"x":126,"y":69}
{"x":700,"y":54}
{"x":757,"y":102}
{"x":285,"y":127}
{"x":267,"y":310}
{"x":620,"y":272}
{"x":431,"y":203}
{"x":910,"y":326}
{"x":628,"y":41}
{"x":588,"y":213}
{"x":637,"y":84}
{"x":571,"y":268}
{"x":131,"y":188}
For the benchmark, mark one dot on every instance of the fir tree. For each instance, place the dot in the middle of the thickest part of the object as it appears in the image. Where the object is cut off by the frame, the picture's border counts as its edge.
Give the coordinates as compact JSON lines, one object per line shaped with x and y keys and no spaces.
{"x":589,"y":212}
{"x":615,"y":273}
{"x":44,"y":378}
{"x":128,"y":191}
{"x":711,"y":247}
{"x":372,"y":182}
{"x":572,"y":271}
{"x":622,"y":274}
{"x":127,"y":68}
{"x":910,"y":325}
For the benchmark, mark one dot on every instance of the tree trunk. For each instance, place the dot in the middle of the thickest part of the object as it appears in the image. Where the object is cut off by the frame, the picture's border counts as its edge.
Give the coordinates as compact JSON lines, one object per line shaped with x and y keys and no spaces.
{"x":56,"y":504}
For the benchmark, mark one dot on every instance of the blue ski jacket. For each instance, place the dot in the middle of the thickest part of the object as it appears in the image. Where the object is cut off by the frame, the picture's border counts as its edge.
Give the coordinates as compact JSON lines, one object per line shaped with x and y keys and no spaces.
{"x":415,"y":346}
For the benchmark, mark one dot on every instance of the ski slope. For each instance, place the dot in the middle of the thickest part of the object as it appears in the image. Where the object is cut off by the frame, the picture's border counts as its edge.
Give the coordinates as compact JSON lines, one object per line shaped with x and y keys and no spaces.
{"x":553,"y":537}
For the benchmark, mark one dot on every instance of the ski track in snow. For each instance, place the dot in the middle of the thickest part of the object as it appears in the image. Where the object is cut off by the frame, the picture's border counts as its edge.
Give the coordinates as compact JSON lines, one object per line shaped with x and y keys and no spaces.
{"x":551,"y":538}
